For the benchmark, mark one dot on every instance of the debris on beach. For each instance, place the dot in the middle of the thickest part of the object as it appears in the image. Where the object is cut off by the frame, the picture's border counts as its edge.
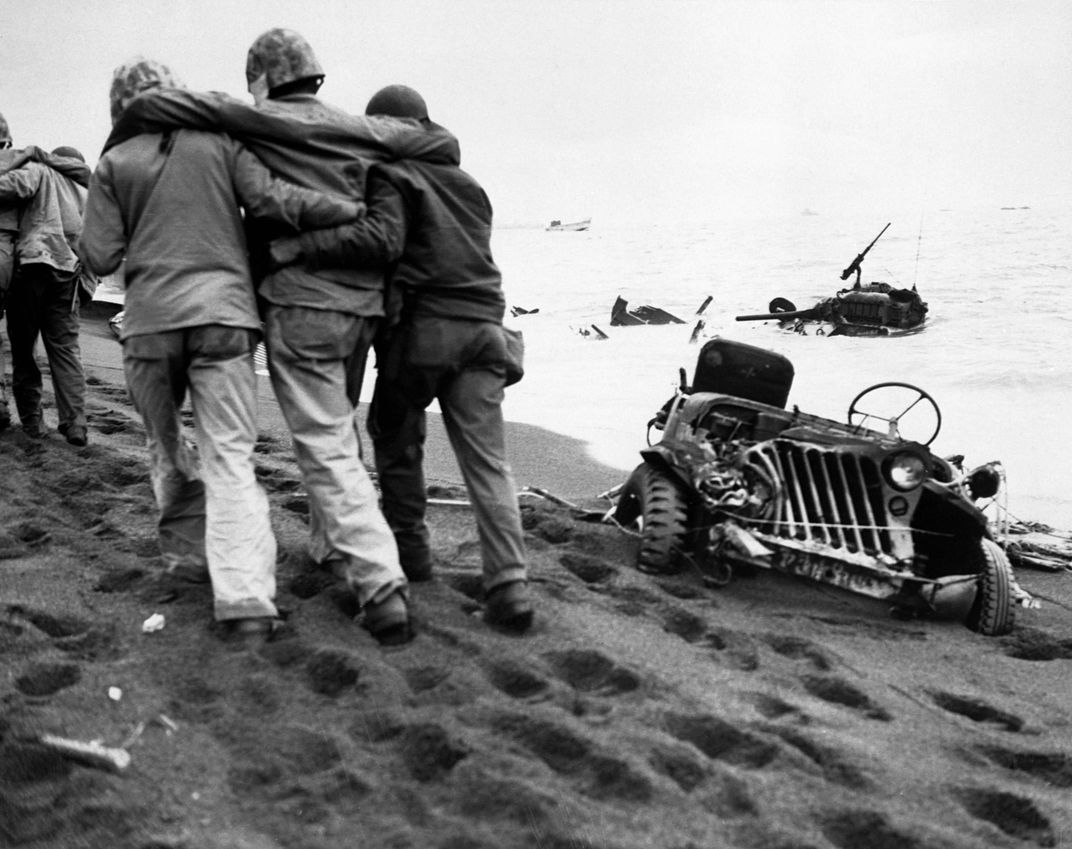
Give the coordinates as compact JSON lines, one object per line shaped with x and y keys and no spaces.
{"x":622,"y":316}
{"x":91,"y":753}
{"x":153,"y":624}
{"x":593,"y":333}
{"x":1033,"y":545}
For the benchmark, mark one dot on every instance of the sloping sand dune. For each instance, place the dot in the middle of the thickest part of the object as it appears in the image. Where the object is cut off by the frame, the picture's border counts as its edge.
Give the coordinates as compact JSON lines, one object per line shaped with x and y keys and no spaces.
{"x":640,"y":712}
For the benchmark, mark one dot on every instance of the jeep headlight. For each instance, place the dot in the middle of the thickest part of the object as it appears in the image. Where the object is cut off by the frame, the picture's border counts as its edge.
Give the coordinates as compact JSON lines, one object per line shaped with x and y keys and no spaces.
{"x":905,"y":470}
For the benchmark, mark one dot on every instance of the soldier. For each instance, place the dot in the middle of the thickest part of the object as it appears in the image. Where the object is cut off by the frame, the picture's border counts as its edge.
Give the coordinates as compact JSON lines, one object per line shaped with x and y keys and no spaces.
{"x":9,"y":231}
{"x":169,"y":203}
{"x":50,"y":193}
{"x":430,"y":222}
{"x":319,"y":323}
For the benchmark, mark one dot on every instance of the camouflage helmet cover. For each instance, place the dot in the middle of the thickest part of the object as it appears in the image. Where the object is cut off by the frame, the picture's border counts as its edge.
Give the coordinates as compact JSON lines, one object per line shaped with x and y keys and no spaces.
{"x":283,"y":56}
{"x":135,"y":76}
{"x":5,"y":132}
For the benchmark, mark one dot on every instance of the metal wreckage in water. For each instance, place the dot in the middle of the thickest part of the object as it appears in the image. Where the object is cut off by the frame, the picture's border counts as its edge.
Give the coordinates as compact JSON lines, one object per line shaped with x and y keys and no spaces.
{"x":874,"y":309}
{"x":737,"y":481}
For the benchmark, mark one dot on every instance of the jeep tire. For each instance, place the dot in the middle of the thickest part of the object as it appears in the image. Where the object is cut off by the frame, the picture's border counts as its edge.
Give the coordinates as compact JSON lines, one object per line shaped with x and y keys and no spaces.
{"x":654,"y":503}
{"x":993,"y":612}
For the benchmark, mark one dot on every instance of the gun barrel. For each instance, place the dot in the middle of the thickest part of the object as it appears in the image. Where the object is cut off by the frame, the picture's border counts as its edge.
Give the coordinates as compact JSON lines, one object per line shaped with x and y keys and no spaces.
{"x":780,"y":316}
{"x":855,"y":264}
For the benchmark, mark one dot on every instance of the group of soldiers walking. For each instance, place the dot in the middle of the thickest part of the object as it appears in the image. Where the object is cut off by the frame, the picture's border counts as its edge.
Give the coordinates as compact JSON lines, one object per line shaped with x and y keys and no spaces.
{"x":330,"y":235}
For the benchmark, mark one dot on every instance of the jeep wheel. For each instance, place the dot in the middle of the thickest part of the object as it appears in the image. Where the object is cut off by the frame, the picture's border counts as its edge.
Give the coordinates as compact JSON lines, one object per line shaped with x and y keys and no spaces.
{"x":993,"y":612}
{"x":656,"y":506}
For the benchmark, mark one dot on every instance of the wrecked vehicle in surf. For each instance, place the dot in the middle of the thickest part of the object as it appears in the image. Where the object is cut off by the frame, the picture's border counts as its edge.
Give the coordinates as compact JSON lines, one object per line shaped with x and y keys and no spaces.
{"x":872,"y":309}
{"x":737,"y":481}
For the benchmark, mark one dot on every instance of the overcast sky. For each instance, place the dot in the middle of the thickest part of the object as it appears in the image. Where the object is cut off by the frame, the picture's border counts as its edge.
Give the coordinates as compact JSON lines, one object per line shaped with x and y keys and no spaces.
{"x":627,"y":110}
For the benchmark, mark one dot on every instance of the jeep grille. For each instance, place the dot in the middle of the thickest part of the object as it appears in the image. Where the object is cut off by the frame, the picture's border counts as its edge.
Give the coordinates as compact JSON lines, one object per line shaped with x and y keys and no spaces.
{"x":825,"y":496}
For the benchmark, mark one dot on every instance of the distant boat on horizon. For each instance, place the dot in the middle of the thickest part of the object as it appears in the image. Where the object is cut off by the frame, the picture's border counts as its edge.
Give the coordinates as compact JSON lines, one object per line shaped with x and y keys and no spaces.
{"x":574,"y":226}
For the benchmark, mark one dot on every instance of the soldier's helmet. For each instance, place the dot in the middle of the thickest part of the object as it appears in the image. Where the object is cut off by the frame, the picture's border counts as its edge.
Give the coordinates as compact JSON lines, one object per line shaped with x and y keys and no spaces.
{"x":5,"y":133}
{"x":283,"y":56}
{"x":135,"y":76}
{"x":69,"y":152}
{"x":398,"y":101}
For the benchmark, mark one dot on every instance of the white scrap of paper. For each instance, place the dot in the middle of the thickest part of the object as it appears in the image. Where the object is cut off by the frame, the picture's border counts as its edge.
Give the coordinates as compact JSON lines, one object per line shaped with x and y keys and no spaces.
{"x":153,"y":623}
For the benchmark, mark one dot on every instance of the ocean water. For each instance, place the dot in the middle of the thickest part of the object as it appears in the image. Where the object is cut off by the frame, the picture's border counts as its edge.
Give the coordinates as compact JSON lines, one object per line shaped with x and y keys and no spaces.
{"x":993,"y":354}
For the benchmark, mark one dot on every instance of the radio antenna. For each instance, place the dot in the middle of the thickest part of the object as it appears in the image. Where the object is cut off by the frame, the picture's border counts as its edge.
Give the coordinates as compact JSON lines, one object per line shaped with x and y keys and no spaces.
{"x":919,"y":244}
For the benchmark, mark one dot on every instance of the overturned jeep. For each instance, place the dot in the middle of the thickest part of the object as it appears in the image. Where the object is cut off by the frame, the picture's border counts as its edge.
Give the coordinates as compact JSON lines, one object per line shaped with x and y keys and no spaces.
{"x":737,"y":481}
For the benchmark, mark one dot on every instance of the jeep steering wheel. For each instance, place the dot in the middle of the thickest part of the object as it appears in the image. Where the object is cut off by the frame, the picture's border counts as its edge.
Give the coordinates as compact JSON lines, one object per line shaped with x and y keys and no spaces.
{"x":894,"y":396}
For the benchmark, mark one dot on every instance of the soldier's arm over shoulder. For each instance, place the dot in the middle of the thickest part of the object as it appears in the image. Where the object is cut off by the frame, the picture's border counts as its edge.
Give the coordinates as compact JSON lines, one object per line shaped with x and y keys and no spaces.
{"x":266,"y":196}
{"x":161,"y":109}
{"x":21,"y":183}
{"x":377,"y":239}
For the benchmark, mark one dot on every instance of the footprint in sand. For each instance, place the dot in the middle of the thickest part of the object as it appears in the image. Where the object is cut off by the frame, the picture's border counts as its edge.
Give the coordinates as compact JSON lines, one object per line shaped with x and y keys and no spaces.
{"x":45,"y":679}
{"x":591,"y":570}
{"x":118,"y":392}
{"x":428,"y":751}
{"x":737,"y":649}
{"x":721,"y":740}
{"x":1037,"y":644}
{"x":1053,"y":768}
{"x":264,"y":765}
{"x":685,"y":624}
{"x":516,"y":679}
{"x":111,"y":423}
{"x":775,"y":707}
{"x":853,"y":829}
{"x":635,"y":601}
{"x":424,"y":678}
{"x":977,"y":710}
{"x":798,"y":648}
{"x":469,"y":584}
{"x":308,"y":584}
{"x":835,"y":766}
{"x":119,"y":580}
{"x":546,"y":526}
{"x":126,"y":475}
{"x":1016,"y":816}
{"x":493,"y":797}
{"x":592,"y":672}
{"x":679,"y":764}
{"x":101,"y":641}
{"x":331,"y":672}
{"x":600,"y":776}
{"x":838,"y":691}
{"x":30,"y":534}
{"x":52,"y":625}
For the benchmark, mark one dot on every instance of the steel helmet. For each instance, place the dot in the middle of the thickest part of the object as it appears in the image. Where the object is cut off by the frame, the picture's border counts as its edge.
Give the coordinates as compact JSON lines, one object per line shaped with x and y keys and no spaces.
{"x":398,"y":101}
{"x":283,"y":57}
{"x":135,"y":76}
{"x":69,"y":152}
{"x":5,"y":133}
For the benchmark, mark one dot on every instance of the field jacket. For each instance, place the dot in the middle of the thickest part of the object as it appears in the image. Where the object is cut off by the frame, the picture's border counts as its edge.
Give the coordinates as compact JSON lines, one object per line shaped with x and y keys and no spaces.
{"x":311,"y":144}
{"x":50,"y":199}
{"x":170,"y":206}
{"x":433,"y":221}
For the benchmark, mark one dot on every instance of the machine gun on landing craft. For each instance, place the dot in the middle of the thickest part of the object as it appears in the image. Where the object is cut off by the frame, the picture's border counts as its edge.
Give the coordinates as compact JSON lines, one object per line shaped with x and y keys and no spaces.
{"x":855,"y":264}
